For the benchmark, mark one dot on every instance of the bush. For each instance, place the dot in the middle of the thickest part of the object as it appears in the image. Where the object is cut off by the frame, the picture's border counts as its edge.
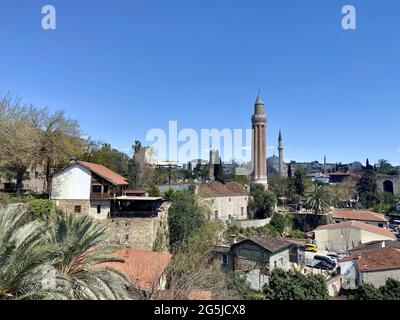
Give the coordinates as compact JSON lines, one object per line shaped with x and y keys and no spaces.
{"x":169,"y":195}
{"x":278,"y":222}
{"x":40,"y":208}
{"x":295,"y":286}
{"x":296,"y":234}
{"x":269,"y":230}
{"x":154,"y":191}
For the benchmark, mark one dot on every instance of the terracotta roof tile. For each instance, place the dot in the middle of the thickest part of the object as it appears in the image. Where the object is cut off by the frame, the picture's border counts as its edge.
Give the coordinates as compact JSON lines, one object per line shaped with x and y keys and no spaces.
{"x":104,"y":172}
{"x":218,"y":189}
{"x":387,"y":258}
{"x":363,"y":215}
{"x":359,"y":225}
{"x":269,"y":243}
{"x":143,"y":268}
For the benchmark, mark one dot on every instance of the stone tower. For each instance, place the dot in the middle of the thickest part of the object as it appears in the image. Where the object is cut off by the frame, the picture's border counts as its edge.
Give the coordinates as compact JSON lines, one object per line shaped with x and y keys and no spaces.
{"x":280,"y":149}
{"x":259,"y":148}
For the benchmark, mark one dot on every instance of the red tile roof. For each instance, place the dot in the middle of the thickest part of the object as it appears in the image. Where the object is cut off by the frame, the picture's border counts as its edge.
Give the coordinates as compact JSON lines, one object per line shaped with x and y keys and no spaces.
{"x":363,"y":215}
{"x":218,"y":189}
{"x":387,"y":258}
{"x":359,"y":225}
{"x":143,"y":268}
{"x":104,"y":172}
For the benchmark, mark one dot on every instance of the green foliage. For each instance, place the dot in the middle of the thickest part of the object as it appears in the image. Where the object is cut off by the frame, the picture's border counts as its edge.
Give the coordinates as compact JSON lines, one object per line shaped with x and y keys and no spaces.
{"x":240,"y":287}
{"x":384,"y":167}
{"x":159,"y":242}
{"x":71,"y":247}
{"x":385,"y":203}
{"x":278,"y":222}
{"x":365,"y":292}
{"x":295,"y":286}
{"x":154,"y":191}
{"x":186,"y":215}
{"x":241,"y":179}
{"x":278,"y":185}
{"x":296,"y":234}
{"x":299,"y":181}
{"x":40,"y":208}
{"x":169,"y":195}
{"x":263,"y":201}
{"x":367,"y":188}
{"x":268,"y":230}
{"x":318,"y":199}
{"x":391,"y":290}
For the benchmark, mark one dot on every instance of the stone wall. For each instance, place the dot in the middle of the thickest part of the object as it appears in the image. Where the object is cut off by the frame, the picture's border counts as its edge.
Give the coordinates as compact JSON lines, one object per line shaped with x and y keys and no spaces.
{"x":140,"y":233}
{"x":68,"y":206}
{"x":223,"y":207}
{"x":251,"y":223}
{"x":381,"y":178}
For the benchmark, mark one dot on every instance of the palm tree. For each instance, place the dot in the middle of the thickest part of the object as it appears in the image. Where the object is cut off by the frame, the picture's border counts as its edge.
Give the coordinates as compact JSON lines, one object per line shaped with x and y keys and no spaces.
{"x":318,"y":199}
{"x":25,"y":259}
{"x":81,"y":248}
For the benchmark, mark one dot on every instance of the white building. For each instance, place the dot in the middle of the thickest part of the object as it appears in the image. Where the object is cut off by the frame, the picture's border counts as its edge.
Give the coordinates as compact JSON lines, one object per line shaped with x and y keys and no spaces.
{"x":373,"y":266}
{"x":87,"y":188}
{"x":342,"y":237}
{"x":226,"y":202}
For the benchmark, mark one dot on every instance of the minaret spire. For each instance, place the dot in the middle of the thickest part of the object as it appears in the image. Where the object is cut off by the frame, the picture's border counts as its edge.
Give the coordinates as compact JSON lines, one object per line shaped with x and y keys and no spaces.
{"x":259,"y":148}
{"x":280,"y":149}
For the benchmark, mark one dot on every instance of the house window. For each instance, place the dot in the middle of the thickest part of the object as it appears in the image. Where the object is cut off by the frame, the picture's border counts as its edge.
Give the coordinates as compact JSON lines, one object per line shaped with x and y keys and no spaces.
{"x":381,"y":225}
{"x":99,"y":209}
{"x":105,"y":189}
{"x":224,"y":259}
{"x":96,"y":189}
{"x":230,"y":199}
{"x":78,"y":209}
{"x":242,"y":211}
{"x":36,"y":175}
{"x":216,"y":214}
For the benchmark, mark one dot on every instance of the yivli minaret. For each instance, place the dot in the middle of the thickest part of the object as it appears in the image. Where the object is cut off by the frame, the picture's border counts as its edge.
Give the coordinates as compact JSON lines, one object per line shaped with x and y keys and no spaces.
{"x":259,"y":148}
{"x":280,"y":149}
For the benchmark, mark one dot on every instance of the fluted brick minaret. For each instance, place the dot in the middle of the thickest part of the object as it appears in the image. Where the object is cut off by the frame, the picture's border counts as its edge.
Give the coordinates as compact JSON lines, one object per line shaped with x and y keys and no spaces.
{"x":280,"y":149}
{"x":259,"y":148}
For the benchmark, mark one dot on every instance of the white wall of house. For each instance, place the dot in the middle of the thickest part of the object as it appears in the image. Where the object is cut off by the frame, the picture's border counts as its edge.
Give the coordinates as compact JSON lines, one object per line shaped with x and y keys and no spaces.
{"x":344,"y":239}
{"x":223,"y":207}
{"x":72,"y":183}
{"x":104,"y":209}
{"x":378,"y":278}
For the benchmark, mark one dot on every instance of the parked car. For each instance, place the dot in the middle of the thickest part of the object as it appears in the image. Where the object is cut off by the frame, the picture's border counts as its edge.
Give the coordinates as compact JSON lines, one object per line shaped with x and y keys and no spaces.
{"x":324,"y":266}
{"x":310,"y":247}
{"x":333,"y":256}
{"x":325,"y":259}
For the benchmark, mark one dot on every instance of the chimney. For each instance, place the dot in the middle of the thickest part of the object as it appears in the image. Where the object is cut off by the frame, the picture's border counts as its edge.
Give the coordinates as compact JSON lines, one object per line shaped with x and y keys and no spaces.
{"x":232,"y":238}
{"x":359,"y":256}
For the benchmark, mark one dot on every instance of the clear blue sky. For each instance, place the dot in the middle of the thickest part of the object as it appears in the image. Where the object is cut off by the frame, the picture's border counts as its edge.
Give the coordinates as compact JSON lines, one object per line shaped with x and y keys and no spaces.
{"x":123,"y":67}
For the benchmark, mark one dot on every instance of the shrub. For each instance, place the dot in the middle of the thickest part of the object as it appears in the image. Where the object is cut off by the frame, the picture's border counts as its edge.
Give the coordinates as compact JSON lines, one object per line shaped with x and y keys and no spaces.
{"x":154,"y":191}
{"x":40,"y":208}
{"x":296,"y":234}
{"x":278,"y":222}
{"x":169,"y":195}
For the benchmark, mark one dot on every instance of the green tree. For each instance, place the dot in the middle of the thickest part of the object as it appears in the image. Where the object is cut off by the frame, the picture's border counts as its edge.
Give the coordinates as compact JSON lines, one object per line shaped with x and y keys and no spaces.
{"x":391,"y":290}
{"x":365,"y":292}
{"x":154,"y":191}
{"x":185,"y":216}
{"x":169,"y":195}
{"x":278,"y":222}
{"x":295,"y":286}
{"x":40,"y":209}
{"x":82,"y":249}
{"x":318,"y":199}
{"x":384,"y":167}
{"x":300,"y":178}
{"x":367,"y":188}
{"x":278,"y":185}
{"x":263,"y":201}
{"x":24,"y":258}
